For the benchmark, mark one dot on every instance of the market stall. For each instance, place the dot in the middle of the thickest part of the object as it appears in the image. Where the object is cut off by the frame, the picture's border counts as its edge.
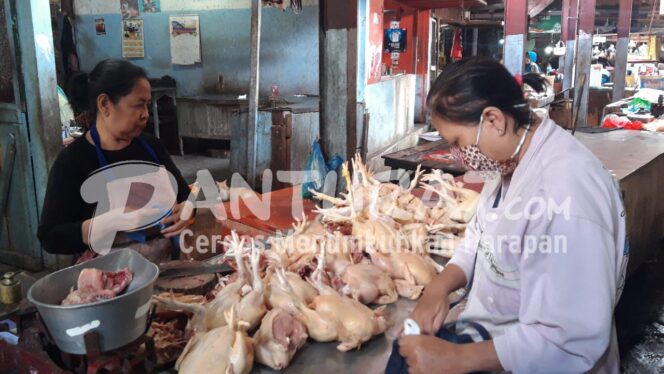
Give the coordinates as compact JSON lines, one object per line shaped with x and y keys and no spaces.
{"x":444,"y":204}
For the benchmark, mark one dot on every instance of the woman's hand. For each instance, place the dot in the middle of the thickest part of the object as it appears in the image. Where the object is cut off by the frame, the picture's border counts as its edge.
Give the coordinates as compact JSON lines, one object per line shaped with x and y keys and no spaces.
{"x":426,"y":354}
{"x":432,"y":309}
{"x":430,"y":312}
{"x":174,"y":224}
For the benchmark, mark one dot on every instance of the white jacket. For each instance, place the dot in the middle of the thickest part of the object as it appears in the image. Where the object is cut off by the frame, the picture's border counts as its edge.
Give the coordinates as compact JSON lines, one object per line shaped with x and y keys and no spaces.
{"x":551,"y":260}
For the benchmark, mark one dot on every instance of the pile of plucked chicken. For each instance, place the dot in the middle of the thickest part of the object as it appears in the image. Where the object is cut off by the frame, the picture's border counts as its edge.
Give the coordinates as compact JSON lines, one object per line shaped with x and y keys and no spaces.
{"x":330,"y":278}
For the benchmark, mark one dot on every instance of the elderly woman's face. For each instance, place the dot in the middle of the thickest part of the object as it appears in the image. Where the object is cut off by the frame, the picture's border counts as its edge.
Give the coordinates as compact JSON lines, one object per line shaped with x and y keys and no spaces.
{"x":129,"y":116}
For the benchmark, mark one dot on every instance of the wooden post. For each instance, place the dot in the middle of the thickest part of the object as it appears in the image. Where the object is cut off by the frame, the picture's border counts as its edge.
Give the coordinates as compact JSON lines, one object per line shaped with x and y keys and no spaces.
{"x":569,"y":29}
{"x":516,"y":33}
{"x":622,"y":49}
{"x":254,"y":79}
{"x":583,"y":57}
{"x":475,"y":39}
{"x":338,"y":77}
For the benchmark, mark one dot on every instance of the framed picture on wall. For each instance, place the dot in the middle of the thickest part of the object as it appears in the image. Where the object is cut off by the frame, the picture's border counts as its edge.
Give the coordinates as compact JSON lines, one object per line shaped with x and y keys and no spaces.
{"x":129,"y":8}
{"x":100,"y":26}
{"x":150,"y":6}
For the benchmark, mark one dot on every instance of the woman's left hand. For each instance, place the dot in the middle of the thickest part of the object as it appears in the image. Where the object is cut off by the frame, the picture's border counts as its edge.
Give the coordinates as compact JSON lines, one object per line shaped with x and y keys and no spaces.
{"x":425,"y":352}
{"x":174,"y":224}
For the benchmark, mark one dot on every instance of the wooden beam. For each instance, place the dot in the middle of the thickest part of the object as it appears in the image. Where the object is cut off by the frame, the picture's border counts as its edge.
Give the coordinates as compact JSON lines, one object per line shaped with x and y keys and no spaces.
{"x":440,"y":4}
{"x":537,"y":6}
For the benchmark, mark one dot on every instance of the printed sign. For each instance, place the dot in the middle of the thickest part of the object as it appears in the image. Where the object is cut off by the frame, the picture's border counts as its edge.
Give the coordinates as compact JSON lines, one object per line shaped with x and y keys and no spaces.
{"x":133,"y":45}
{"x":185,"y":40}
{"x":100,"y":26}
{"x":395,"y":40}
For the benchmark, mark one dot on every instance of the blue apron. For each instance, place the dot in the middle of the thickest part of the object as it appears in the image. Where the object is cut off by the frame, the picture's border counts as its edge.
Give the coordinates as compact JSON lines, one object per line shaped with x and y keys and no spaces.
{"x":140,"y":236}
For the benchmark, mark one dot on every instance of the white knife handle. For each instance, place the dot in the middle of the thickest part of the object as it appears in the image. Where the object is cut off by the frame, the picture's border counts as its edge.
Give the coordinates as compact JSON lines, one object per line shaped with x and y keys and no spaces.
{"x":410,"y":327}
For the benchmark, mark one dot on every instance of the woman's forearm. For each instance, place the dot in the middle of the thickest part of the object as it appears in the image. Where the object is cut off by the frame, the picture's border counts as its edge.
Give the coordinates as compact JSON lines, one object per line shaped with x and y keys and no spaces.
{"x":108,"y":221}
{"x":85,"y":231}
{"x":479,"y":357}
{"x":449,"y":280}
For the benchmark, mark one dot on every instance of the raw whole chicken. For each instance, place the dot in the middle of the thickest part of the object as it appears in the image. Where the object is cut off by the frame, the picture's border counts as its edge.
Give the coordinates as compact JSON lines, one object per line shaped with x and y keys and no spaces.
{"x":334,"y":317}
{"x":94,"y":285}
{"x":277,"y":295}
{"x":411,"y":271}
{"x":278,"y":339}
{"x":460,"y":203}
{"x":297,"y":252}
{"x":366,"y":283}
{"x":245,"y":294}
{"x":226,"y":349}
{"x":305,"y":236}
{"x":390,"y":200}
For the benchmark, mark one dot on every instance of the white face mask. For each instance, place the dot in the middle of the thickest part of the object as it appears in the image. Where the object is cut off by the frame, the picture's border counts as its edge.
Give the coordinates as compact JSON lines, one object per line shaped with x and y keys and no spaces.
{"x":473,"y":159}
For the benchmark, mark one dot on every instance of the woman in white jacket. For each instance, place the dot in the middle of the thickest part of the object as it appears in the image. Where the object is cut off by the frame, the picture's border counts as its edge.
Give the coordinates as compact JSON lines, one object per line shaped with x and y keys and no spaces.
{"x":545,"y":256}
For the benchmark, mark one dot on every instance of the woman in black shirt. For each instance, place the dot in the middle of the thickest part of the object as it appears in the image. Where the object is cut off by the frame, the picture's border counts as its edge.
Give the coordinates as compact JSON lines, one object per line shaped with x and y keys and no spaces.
{"x":116,"y":96}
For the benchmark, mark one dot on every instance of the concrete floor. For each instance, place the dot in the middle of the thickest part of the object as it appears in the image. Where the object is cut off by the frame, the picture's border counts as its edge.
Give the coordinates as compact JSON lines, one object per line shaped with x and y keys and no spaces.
{"x":190,"y":164}
{"x":640,"y":319}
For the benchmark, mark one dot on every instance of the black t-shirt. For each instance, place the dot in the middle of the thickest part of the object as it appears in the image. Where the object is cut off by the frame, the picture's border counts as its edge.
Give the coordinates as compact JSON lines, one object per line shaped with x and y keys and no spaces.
{"x":65,"y":210}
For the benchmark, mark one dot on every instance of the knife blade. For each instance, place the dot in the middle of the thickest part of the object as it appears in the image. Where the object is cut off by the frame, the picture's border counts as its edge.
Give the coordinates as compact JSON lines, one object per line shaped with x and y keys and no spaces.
{"x":203,"y":268}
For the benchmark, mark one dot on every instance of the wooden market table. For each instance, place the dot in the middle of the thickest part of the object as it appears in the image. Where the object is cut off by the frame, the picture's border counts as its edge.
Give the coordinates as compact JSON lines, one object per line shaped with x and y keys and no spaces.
{"x":433,"y":155}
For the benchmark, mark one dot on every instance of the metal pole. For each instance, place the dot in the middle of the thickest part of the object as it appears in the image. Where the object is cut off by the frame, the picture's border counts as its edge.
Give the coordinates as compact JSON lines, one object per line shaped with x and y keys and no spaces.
{"x":256,"y":10}
{"x":475,"y":37}
{"x":516,"y":31}
{"x":584,"y":55}
{"x":624,"y":22}
{"x":570,"y":23}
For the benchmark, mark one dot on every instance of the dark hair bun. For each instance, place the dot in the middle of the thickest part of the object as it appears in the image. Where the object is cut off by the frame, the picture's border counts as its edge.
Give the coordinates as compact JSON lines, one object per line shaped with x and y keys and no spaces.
{"x":77,"y":91}
{"x":114,"y":78}
{"x":535,"y":81}
{"x":465,"y":88}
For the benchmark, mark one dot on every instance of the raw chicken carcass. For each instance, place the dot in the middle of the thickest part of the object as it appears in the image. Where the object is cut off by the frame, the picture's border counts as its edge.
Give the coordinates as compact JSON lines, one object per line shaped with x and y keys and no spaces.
{"x":278,"y":339}
{"x":412,"y":272}
{"x":95,"y":284}
{"x":244,"y":294}
{"x":277,"y":295}
{"x":460,"y":203}
{"x":334,"y":317}
{"x":223,"y":350}
{"x":366,"y":283}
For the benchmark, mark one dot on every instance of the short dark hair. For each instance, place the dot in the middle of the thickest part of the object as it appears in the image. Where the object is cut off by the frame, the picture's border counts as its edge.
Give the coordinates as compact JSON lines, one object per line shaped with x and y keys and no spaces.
{"x":113,"y":77}
{"x":466,"y":87}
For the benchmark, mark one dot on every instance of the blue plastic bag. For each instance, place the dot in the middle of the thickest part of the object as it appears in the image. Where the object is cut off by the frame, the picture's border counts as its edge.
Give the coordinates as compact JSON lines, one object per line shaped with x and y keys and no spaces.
{"x":317,"y":170}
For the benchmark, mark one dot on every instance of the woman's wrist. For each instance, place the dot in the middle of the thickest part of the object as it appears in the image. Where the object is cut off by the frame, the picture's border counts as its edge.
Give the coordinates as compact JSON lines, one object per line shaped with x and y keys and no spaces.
{"x":449,"y":280}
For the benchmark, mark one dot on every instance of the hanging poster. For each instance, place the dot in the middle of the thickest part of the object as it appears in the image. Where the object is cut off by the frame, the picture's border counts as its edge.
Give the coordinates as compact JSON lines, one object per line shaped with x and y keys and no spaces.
{"x":395,"y":40}
{"x":133,"y":45}
{"x":129,"y":8}
{"x":185,"y":40}
{"x":375,"y":46}
{"x":100,"y":26}
{"x":150,"y":6}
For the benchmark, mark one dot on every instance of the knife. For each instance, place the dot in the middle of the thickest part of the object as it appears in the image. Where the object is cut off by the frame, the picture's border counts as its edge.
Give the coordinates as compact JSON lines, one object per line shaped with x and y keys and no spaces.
{"x":198,"y":269}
